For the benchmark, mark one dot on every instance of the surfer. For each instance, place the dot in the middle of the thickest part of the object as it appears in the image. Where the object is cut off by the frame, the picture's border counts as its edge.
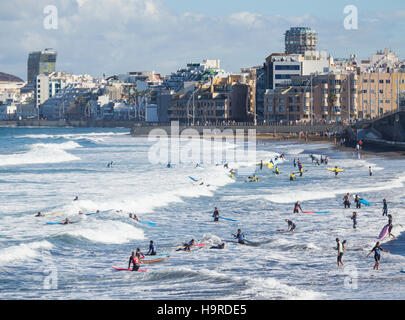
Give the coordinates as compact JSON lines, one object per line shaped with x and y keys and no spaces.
{"x":187,"y":246}
{"x":346,"y":200}
{"x":354,"y":218}
{"x":80,"y":212}
{"x":297,"y":206}
{"x":340,"y":248}
{"x":292,"y":177}
{"x":226,"y":165}
{"x":67,"y":221}
{"x":169,"y":165}
{"x":39,"y":214}
{"x":377,"y":255}
{"x":76,"y":198}
{"x":219,"y":246}
{"x":326,"y":160}
{"x":216,"y":214}
{"x":133,"y":216}
{"x":291,"y":225}
{"x":357,"y":201}
{"x":301,"y":171}
{"x":152,"y":249}
{"x":390,"y":226}
{"x":240,"y":236}
{"x":295,"y":163}
{"x":139,"y":254}
{"x":261,"y":164}
{"x":135,"y":262}
{"x":277,"y":171}
{"x":336,"y":171}
{"x":370,"y":171}
{"x":385,"y":208}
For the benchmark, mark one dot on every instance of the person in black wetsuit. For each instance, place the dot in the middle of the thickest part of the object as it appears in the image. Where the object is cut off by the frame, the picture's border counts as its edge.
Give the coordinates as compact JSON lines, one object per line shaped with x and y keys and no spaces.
{"x":357,"y":201}
{"x":216,"y":214}
{"x":354,"y":218}
{"x":377,"y":255}
{"x":152,"y":249}
{"x":291,"y":225}
{"x":346,"y":200}
{"x":385,"y":208}
{"x":67,"y":221}
{"x":39,"y":214}
{"x":187,"y":246}
{"x":219,"y":246}
{"x":390,"y":226}
{"x":135,"y":262}
{"x":297,"y":206}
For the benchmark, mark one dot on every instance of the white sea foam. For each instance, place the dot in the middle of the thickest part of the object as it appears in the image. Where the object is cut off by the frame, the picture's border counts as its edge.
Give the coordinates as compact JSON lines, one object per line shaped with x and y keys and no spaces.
{"x":41,"y":153}
{"x":23,"y":251}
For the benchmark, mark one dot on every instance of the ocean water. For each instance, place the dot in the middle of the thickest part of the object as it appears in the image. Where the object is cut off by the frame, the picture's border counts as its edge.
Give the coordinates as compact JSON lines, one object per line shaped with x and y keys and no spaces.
{"x":44,"y":169}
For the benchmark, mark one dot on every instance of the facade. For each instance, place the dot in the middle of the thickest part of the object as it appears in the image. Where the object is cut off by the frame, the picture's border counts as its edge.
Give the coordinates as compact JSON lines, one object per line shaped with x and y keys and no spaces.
{"x":222,"y":100}
{"x":40,"y":62}
{"x":300,"y":39}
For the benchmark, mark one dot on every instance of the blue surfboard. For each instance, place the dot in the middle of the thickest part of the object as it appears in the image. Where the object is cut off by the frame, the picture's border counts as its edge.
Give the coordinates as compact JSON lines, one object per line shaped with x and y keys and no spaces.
{"x":227,"y":219}
{"x":364,"y":202}
{"x":148,"y":223}
{"x":194,"y":179}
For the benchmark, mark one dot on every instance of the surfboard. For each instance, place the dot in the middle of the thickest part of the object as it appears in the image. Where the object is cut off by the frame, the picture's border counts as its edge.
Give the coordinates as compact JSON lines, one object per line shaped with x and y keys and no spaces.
{"x":148,"y":223}
{"x":149,"y":261}
{"x":194,"y":179}
{"x":227,"y":219}
{"x":54,"y":223}
{"x":194,"y":245}
{"x":123,"y":269}
{"x":383,"y":232}
{"x":338,"y":170}
{"x":315,"y":211}
{"x":282,"y":230}
{"x":91,"y":213}
{"x":364,"y":202}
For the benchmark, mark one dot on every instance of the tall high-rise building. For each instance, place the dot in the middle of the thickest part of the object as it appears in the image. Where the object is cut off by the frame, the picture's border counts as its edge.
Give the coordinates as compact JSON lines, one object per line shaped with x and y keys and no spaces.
{"x":300,"y":39}
{"x":40,"y":62}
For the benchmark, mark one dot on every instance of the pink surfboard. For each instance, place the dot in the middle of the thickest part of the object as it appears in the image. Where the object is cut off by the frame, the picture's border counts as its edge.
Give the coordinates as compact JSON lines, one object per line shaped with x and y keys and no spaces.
{"x":383,"y":232}
{"x":123,"y":269}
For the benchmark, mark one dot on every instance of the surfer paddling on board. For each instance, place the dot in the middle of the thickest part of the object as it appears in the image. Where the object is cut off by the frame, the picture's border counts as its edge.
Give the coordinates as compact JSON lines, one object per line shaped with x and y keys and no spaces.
{"x":340,"y":248}
{"x":76,"y":198}
{"x":377,"y":255}
{"x":67,"y":221}
{"x":139,"y":254}
{"x":219,"y":246}
{"x":216,"y":214}
{"x":297,"y":206}
{"x":291,"y":225}
{"x":135,"y":262}
{"x":39,"y":214}
{"x":187,"y":246}
{"x":240,"y":236}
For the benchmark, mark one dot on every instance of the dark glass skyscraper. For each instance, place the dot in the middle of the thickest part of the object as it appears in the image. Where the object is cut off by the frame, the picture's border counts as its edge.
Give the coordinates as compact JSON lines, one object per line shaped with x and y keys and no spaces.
{"x":300,"y":39}
{"x":40,"y":62}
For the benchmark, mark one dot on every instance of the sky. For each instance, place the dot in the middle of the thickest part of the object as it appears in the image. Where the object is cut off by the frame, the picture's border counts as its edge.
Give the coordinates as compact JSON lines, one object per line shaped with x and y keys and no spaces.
{"x":118,"y":36}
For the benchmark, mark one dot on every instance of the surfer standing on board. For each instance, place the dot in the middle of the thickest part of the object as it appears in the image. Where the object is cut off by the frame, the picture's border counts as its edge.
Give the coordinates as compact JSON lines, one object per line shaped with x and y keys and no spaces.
{"x":377,"y":255}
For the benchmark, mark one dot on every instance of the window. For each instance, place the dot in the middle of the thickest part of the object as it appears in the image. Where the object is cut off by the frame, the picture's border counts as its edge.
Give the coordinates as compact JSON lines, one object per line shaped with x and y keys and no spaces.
{"x":388,"y":81}
{"x":381,"y":81}
{"x":270,"y":109}
{"x":284,"y":67}
{"x":283,"y":76}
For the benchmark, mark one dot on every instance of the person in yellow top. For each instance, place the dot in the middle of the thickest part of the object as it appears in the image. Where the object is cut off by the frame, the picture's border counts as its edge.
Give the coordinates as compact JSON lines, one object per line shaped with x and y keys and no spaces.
{"x":292,"y":177}
{"x":277,"y":171}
